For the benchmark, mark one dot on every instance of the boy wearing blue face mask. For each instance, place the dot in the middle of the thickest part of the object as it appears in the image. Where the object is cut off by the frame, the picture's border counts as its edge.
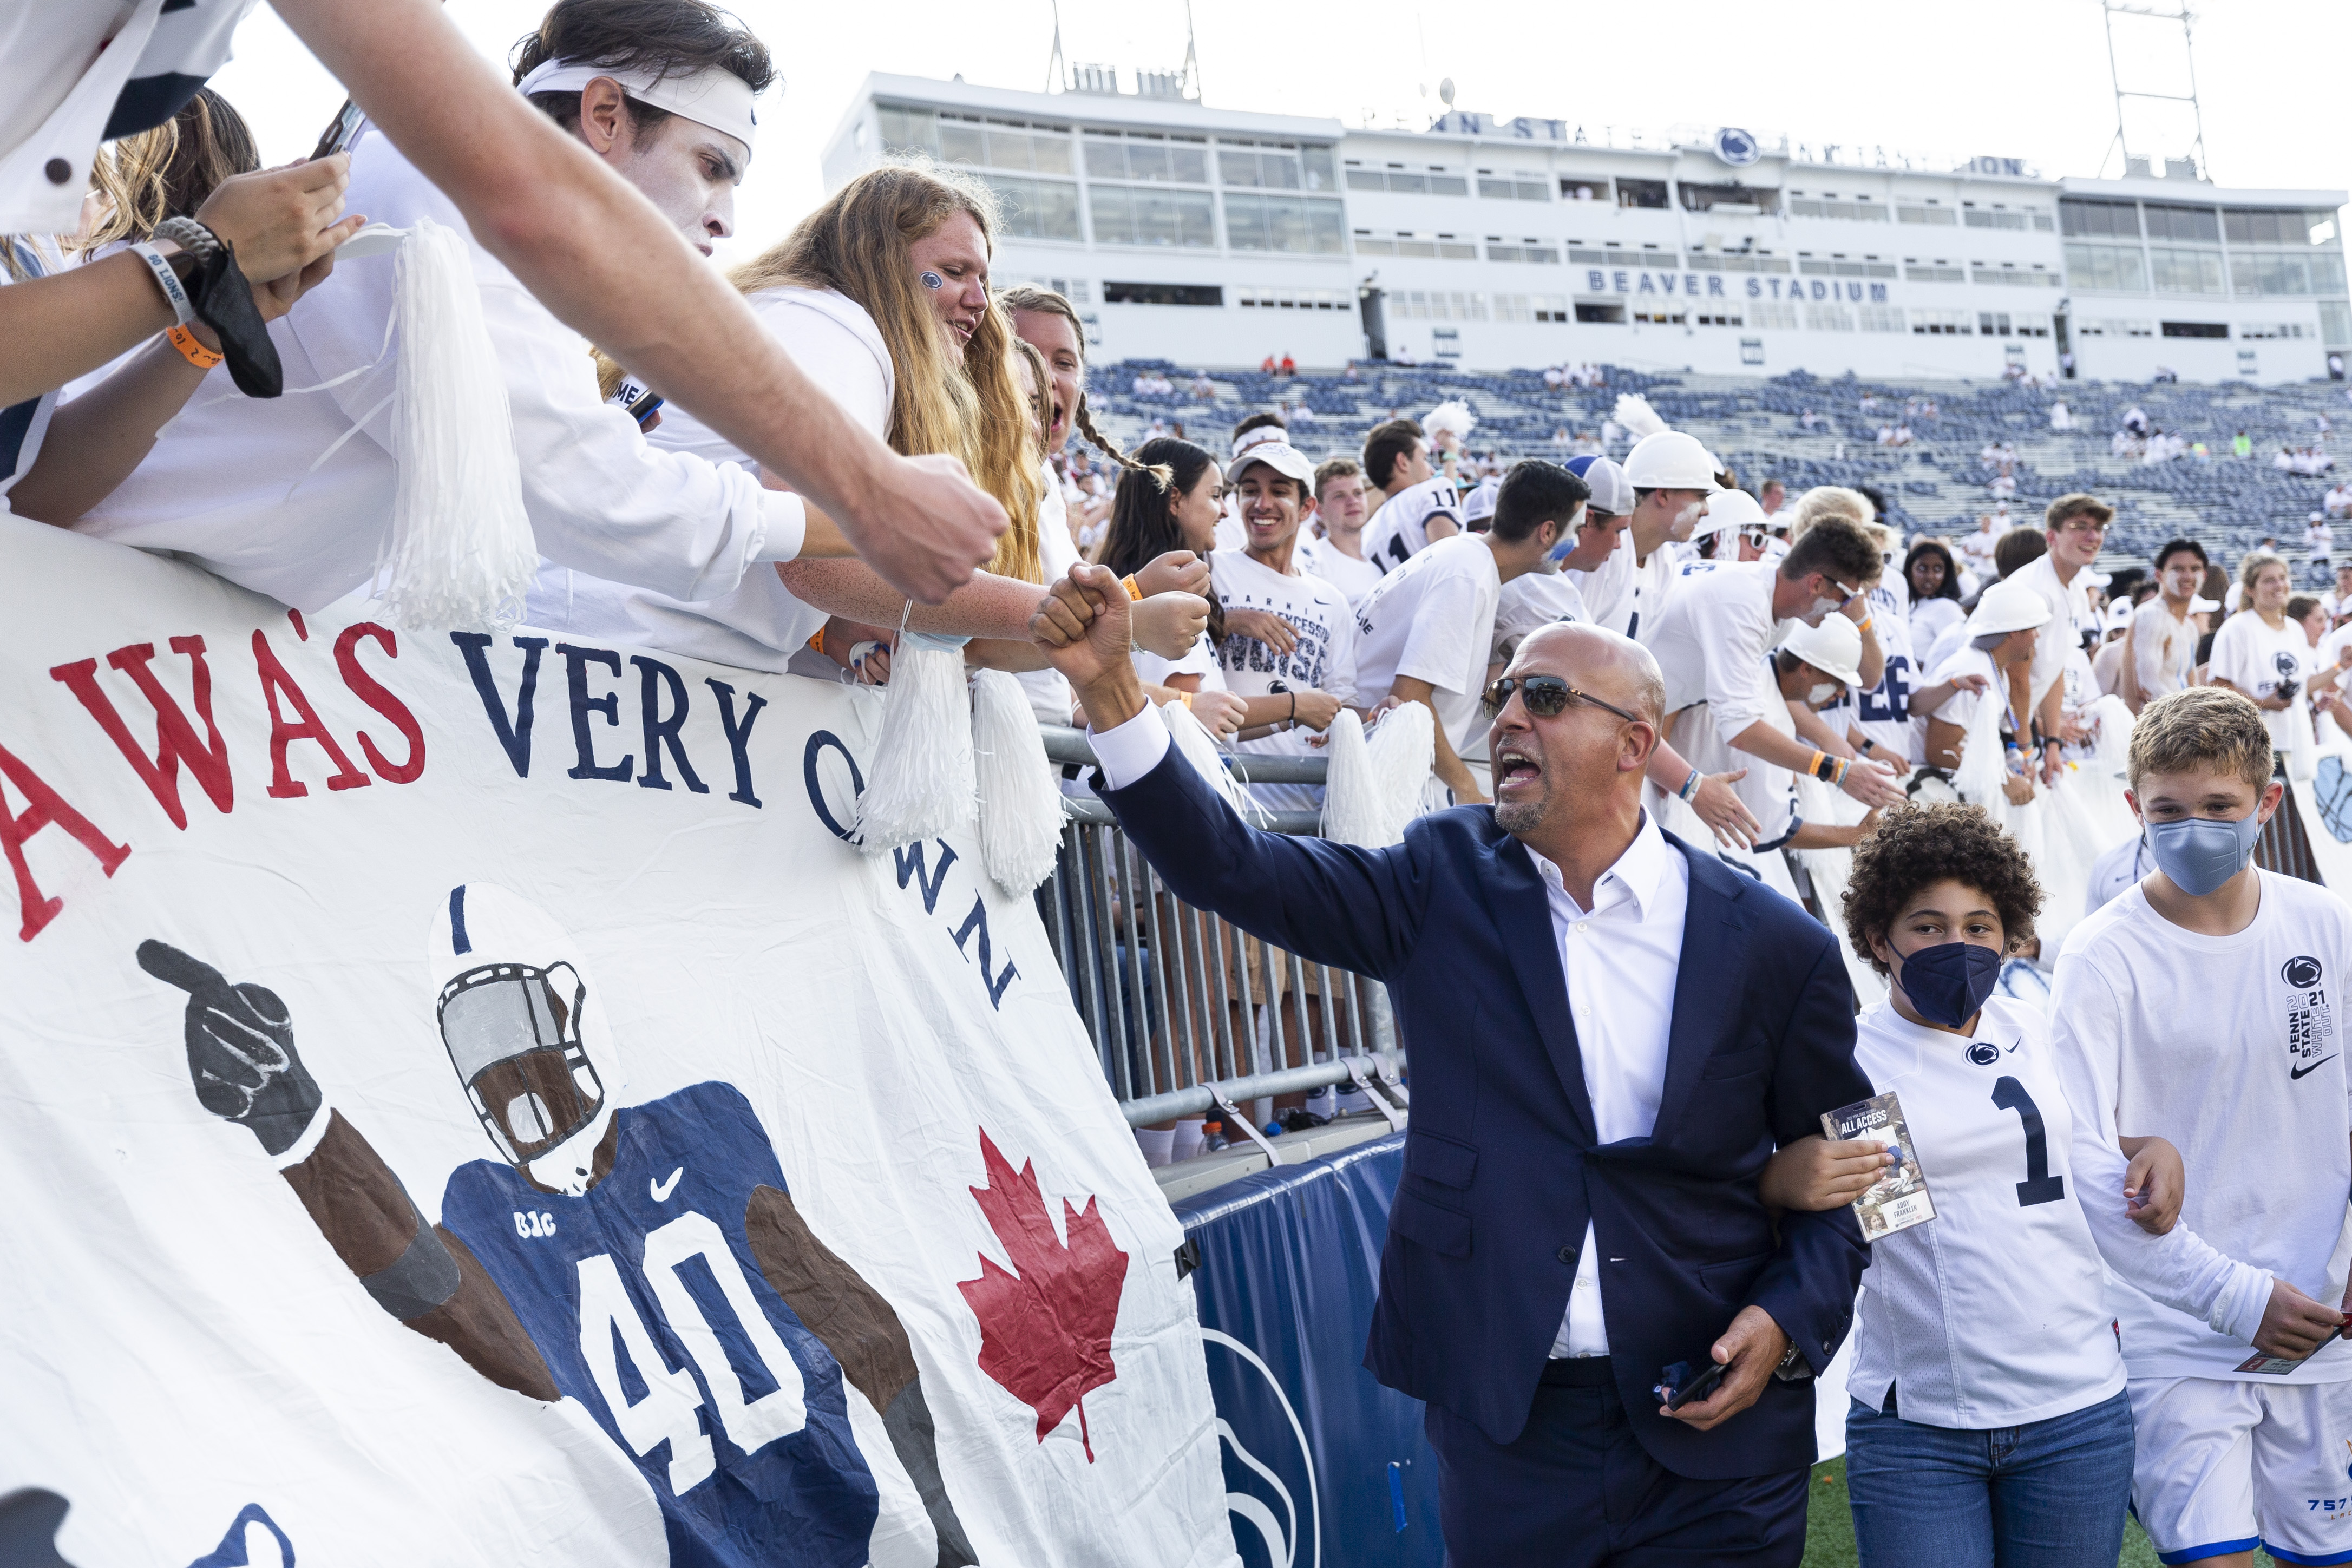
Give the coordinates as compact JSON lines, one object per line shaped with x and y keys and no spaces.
{"x":2197,"y":1004}
{"x":1989,"y":1422}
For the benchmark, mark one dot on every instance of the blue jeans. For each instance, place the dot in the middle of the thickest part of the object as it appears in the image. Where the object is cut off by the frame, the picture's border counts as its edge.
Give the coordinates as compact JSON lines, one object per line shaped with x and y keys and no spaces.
{"x":2047,"y":1495}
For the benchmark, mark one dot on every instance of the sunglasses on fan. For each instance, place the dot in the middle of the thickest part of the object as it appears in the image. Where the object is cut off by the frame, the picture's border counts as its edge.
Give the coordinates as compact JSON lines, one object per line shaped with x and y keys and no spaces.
{"x":1545,"y":697}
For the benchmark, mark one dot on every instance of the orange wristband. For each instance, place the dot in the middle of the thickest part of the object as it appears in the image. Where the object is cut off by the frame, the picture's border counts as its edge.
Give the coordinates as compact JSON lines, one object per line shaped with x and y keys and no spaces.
{"x":1184,"y":697}
{"x":192,"y":349}
{"x":1132,"y":591}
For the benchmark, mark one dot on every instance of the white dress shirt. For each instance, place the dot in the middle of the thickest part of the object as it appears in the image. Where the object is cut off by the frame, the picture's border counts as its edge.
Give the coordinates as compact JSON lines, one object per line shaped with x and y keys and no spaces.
{"x":1620,"y":958}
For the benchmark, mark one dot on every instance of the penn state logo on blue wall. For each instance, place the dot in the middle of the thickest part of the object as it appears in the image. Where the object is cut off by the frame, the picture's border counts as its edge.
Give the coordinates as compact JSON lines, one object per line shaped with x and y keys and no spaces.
{"x":1277,"y":1515}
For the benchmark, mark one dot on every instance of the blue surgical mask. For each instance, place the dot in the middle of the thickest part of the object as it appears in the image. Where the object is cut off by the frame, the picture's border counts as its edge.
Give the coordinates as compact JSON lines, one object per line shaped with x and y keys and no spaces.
{"x":2200,"y":853}
{"x":1948,"y":984}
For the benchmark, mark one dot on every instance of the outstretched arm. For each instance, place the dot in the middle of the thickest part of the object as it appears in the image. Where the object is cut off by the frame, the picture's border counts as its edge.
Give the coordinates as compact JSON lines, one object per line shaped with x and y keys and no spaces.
{"x":242,"y":1061}
{"x":599,"y":257}
{"x":1328,"y":903}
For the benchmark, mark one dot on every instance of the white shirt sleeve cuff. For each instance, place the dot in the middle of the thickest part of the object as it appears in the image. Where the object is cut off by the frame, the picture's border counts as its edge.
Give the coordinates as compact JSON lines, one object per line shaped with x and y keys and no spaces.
{"x":785,"y":516}
{"x":1129,"y":751}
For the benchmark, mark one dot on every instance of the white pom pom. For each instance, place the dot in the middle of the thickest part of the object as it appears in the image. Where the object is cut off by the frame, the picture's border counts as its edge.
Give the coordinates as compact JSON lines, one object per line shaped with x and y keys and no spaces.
{"x":1635,"y":413}
{"x":1403,"y":750}
{"x":1197,"y":747}
{"x":922,"y":783}
{"x":460,"y":551}
{"x":1353,"y":812}
{"x":1376,"y":785}
{"x":1452,"y":415}
{"x":1020,"y":806}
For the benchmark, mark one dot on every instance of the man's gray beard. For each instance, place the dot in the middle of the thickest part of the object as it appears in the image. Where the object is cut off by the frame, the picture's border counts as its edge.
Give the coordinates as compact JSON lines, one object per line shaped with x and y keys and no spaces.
{"x":1520,"y":816}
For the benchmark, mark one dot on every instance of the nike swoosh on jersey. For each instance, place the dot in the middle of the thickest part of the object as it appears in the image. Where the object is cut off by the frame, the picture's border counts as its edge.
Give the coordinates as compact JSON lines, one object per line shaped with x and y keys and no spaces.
{"x":662,"y":1189}
{"x":2299,"y":1071}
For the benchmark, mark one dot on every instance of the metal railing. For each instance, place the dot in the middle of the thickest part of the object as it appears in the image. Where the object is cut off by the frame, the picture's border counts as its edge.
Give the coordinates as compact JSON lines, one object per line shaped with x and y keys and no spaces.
{"x":1190,"y":1014}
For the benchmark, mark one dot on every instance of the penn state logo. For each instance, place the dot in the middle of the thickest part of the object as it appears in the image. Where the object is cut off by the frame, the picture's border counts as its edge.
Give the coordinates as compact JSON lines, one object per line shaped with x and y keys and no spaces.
{"x":1737,"y":147}
{"x":1271,"y":1494}
{"x":1984,"y":1053}
{"x":2301,"y":973}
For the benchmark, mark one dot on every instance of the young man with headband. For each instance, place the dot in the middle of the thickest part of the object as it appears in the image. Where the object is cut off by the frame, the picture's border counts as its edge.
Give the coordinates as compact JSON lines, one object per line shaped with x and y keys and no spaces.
{"x":273,"y":497}
{"x":2197,"y":1006}
{"x":601,"y":259}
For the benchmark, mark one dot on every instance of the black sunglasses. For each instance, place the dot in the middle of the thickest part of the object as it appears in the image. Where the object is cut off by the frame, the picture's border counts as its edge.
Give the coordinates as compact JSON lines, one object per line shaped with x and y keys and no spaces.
{"x":1546,"y":697}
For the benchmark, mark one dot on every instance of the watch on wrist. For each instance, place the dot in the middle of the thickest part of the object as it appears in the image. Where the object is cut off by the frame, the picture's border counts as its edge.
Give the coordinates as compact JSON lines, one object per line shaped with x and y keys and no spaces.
{"x":1793,"y":1365}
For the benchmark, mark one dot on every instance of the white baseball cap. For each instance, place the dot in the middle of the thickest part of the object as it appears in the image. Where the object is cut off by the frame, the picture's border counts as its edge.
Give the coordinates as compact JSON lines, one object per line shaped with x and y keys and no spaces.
{"x":1478,"y":503}
{"x":2008,"y":607}
{"x":1833,"y":647}
{"x":1278,"y":456}
{"x":1672,"y":459}
{"x":1612,"y":491}
{"x":1258,"y":435}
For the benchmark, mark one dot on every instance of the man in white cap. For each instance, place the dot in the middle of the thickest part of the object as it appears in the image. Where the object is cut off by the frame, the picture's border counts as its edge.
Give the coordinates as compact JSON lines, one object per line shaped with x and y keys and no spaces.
{"x":2003,"y":634}
{"x":1289,"y":650}
{"x":1672,"y":478}
{"x":271,"y":494}
{"x":1712,"y":639}
{"x":1814,"y":667}
{"x":1608,"y":589}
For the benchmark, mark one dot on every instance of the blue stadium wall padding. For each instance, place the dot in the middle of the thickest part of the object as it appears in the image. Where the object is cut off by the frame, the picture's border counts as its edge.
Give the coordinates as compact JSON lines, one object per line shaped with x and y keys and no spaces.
{"x":1324,"y":1468}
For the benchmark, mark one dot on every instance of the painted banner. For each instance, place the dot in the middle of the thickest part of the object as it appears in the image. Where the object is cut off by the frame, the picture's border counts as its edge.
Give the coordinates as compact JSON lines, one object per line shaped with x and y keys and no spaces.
{"x":463,"y":1100}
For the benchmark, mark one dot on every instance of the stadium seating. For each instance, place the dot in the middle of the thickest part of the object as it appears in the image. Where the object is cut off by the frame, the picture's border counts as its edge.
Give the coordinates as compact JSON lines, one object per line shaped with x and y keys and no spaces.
{"x":1938,"y":484}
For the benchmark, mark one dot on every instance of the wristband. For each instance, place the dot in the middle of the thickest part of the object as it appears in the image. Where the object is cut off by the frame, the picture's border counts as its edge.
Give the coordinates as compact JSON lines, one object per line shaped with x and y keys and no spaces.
{"x":1133,"y":591}
{"x":190,"y":235}
{"x":1816,"y":766}
{"x":1838,"y":767}
{"x":1186,"y":698}
{"x":192,"y":349}
{"x":1689,"y":791}
{"x":1864,"y":624}
{"x":184,"y":309}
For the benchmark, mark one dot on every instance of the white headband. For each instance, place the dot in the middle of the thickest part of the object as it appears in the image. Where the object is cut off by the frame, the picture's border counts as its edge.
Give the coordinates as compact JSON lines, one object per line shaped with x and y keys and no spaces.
{"x":716,"y":98}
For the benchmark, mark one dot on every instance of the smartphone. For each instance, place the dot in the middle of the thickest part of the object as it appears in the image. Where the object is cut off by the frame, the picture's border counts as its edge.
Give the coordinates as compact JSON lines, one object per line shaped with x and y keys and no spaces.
{"x":1695,"y":1388}
{"x":337,"y":137}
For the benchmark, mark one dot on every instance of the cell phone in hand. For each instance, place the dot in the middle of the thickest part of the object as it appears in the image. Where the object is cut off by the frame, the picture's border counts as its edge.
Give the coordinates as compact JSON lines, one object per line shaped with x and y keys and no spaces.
{"x":1677,"y":1387}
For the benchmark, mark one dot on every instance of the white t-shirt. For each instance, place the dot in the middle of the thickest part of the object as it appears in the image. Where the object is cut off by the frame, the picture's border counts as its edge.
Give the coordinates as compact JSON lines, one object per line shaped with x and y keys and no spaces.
{"x":1200,"y":660}
{"x":1767,"y":790}
{"x":2149,"y":1019}
{"x":1400,"y":530}
{"x":2252,"y":657}
{"x":245,"y":488}
{"x":1352,"y":575}
{"x":2164,"y":648}
{"x":1994,"y":1312}
{"x":1433,"y":618}
{"x":1931,"y":617}
{"x":758,"y":625}
{"x":1652,"y":585}
{"x":1324,"y":661}
{"x":1961,"y":707}
{"x":1608,"y":589}
{"x":67,"y":72}
{"x":2070,"y":617}
{"x":1531,"y":599}
{"x":2119,"y":869}
{"x":1711,"y":641}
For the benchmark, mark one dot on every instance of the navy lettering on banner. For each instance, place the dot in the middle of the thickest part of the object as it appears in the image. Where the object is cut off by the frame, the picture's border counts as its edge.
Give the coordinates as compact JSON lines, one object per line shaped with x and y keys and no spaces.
{"x":911,"y":864}
{"x":978,"y":919}
{"x":817,"y":742}
{"x":663,"y":732}
{"x":1878,"y":294}
{"x":1647,"y":287}
{"x":1596,"y":280}
{"x":1621,"y":283}
{"x":1820,"y":289}
{"x":1714,"y":286}
{"x":576,"y":660}
{"x":514,"y":736}
{"x":739,"y":741}
{"x":1755,"y":288}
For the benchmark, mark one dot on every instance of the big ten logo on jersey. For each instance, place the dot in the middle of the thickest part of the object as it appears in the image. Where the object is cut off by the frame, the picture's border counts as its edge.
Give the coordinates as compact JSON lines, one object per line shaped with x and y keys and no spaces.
{"x":1891,"y":702}
{"x":2310,"y":1021}
{"x":756,"y":1394}
{"x":528,"y":1224}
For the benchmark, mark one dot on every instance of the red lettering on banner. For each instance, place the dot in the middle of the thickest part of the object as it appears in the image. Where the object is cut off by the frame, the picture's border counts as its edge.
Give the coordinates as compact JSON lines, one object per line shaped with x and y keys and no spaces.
{"x":175,"y":737}
{"x":275,"y":681}
{"x":370,"y":691}
{"x":43,"y":808}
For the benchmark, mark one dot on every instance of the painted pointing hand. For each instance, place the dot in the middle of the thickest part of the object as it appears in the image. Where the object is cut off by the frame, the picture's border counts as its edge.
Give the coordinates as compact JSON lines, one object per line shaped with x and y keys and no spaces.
{"x":241,"y":1055}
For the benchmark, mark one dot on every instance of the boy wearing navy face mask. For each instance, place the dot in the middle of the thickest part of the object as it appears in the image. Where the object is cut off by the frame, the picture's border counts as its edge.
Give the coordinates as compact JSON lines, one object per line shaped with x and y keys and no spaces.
{"x":2197,"y":1004}
{"x":1989,"y":1422}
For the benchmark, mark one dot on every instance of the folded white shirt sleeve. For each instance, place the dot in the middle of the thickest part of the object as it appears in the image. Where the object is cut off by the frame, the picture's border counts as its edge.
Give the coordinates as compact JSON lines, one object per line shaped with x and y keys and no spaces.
{"x":1126,"y":752}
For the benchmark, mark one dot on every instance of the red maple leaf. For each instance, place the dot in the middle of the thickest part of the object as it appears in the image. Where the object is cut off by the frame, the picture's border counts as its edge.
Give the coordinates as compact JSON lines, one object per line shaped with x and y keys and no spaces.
{"x":1044,"y":1334}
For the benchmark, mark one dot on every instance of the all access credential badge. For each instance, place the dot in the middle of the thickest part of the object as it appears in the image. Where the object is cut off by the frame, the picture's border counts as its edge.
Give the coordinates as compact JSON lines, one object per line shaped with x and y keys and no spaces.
{"x":1899,"y":1200}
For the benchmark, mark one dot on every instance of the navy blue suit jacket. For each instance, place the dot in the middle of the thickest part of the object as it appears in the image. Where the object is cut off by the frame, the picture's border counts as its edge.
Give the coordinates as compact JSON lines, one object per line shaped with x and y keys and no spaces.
{"x":1502,"y":1165}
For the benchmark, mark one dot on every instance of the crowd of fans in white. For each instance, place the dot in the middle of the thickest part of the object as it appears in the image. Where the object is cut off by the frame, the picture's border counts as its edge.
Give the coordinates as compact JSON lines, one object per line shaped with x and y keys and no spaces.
{"x":1827,"y":688}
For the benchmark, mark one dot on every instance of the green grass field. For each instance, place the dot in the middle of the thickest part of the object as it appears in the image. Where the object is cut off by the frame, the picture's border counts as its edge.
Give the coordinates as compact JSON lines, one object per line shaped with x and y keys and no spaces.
{"x":1829,"y":1527}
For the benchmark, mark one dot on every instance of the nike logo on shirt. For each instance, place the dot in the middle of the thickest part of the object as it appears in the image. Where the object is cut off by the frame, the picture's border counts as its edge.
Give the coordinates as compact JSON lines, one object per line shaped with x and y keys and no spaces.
{"x":662,"y":1189}
{"x":2299,"y":1071}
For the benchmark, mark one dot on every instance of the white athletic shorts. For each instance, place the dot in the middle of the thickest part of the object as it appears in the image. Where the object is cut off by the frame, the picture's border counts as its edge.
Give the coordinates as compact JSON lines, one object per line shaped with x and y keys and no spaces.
{"x":2222,"y":1465}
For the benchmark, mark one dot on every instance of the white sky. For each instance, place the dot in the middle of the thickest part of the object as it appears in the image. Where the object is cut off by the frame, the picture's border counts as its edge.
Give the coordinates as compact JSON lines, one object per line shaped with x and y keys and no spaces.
{"x":2025,"y":79}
